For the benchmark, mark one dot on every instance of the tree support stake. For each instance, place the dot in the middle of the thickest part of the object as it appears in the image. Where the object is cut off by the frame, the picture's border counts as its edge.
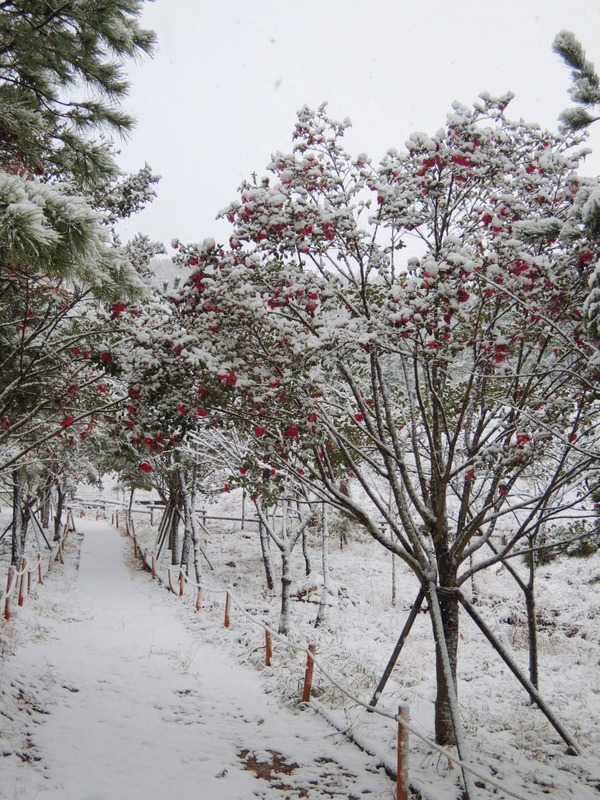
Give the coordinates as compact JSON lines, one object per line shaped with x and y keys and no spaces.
{"x":573,"y":747}
{"x":403,"y":750}
{"x":308,"y":675}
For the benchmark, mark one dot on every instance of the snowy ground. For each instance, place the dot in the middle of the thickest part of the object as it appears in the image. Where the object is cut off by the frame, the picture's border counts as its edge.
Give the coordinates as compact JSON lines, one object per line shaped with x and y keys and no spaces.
{"x":114,"y":697}
{"x":136,"y":662}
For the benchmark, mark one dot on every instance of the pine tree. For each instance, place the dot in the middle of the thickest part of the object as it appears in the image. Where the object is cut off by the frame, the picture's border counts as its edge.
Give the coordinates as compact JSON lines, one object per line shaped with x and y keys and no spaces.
{"x":61,"y":82}
{"x":61,"y":79}
{"x":585,"y":86}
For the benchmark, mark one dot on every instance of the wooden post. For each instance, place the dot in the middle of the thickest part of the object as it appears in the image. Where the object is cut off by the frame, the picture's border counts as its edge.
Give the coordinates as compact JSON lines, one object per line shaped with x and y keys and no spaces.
{"x":402,"y":779}
{"x":28,"y":580}
{"x":226,"y":621}
{"x":198,"y":599}
{"x":21,"y":599}
{"x":268,"y":648}
{"x":181,"y":582}
{"x":170,"y":583}
{"x":153,"y":566}
{"x":117,"y":519}
{"x":308,"y":675}
{"x":135,"y":549}
{"x":97,"y":514}
{"x":40,"y":581}
{"x":9,"y":580}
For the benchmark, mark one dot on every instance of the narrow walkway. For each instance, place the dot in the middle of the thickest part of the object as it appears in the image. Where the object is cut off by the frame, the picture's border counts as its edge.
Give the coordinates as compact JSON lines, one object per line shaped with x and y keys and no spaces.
{"x":135,"y":707}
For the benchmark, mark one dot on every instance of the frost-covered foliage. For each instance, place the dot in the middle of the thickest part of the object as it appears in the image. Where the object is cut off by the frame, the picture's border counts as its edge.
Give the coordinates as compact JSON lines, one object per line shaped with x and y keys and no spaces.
{"x":64,"y":280}
{"x":415,"y":324}
{"x":61,"y":79}
{"x":123,"y":195}
{"x":585,"y":86}
{"x":46,"y":230}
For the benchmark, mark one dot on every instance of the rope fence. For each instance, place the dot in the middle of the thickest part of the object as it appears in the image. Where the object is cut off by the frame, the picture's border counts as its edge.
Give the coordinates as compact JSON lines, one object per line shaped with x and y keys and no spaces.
{"x":399,"y":771}
{"x":19,"y":578}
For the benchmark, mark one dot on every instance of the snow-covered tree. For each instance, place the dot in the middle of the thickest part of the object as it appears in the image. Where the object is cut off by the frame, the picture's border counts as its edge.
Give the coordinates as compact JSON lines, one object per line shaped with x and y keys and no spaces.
{"x":416,"y":325}
{"x":585,"y":83}
{"x":61,"y":79}
{"x":61,"y":275}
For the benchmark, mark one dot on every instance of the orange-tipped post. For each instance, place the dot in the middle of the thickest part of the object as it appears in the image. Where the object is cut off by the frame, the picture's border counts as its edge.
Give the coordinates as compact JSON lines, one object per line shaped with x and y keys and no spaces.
{"x":308,"y":675}
{"x":226,"y":621}
{"x":268,"y":648}
{"x":9,"y":580}
{"x":402,"y":779}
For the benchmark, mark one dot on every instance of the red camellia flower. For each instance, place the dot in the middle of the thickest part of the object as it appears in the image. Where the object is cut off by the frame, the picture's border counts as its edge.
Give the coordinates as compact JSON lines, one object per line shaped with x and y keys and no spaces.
{"x":145,"y":467}
{"x":291,"y":431}
{"x":118,"y":309}
{"x":76,"y":351}
{"x":106,"y":357}
{"x":259,"y":430}
{"x":202,"y":412}
{"x":274,"y":383}
{"x":523,"y":438}
{"x":101,"y":388}
{"x":462,"y":296}
{"x":242,"y":470}
{"x":230,"y":378}
{"x":312,"y":417}
{"x":67,"y":421}
{"x":358,"y":417}
{"x":470,"y":475}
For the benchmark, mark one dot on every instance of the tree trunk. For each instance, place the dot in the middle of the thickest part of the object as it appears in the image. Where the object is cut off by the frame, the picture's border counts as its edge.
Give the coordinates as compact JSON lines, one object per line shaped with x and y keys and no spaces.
{"x":307,"y":567}
{"x":173,"y":536}
{"x":286,"y":584}
{"x":266,"y":556}
{"x":530,"y":605}
{"x":15,"y":554}
{"x":448,"y":724}
{"x":444,"y":723}
{"x":45,"y":500}
{"x":61,"y":493}
{"x":322,"y":612}
{"x":130,"y":504}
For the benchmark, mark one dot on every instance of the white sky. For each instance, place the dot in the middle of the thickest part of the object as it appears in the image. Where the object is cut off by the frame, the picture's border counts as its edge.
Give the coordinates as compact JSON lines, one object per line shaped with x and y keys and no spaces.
{"x":222,"y":92}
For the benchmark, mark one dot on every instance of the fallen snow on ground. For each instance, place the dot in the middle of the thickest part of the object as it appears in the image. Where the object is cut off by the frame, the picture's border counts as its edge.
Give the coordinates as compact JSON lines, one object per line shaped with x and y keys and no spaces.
{"x":115,"y":648}
{"x":108,"y":694}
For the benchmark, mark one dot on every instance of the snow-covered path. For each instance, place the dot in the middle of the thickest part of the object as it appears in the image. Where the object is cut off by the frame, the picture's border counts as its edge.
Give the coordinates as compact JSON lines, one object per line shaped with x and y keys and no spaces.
{"x":130,"y":704}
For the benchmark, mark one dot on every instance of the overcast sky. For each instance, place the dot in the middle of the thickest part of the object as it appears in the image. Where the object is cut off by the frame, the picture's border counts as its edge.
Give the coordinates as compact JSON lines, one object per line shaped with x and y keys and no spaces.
{"x":222,"y":92}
